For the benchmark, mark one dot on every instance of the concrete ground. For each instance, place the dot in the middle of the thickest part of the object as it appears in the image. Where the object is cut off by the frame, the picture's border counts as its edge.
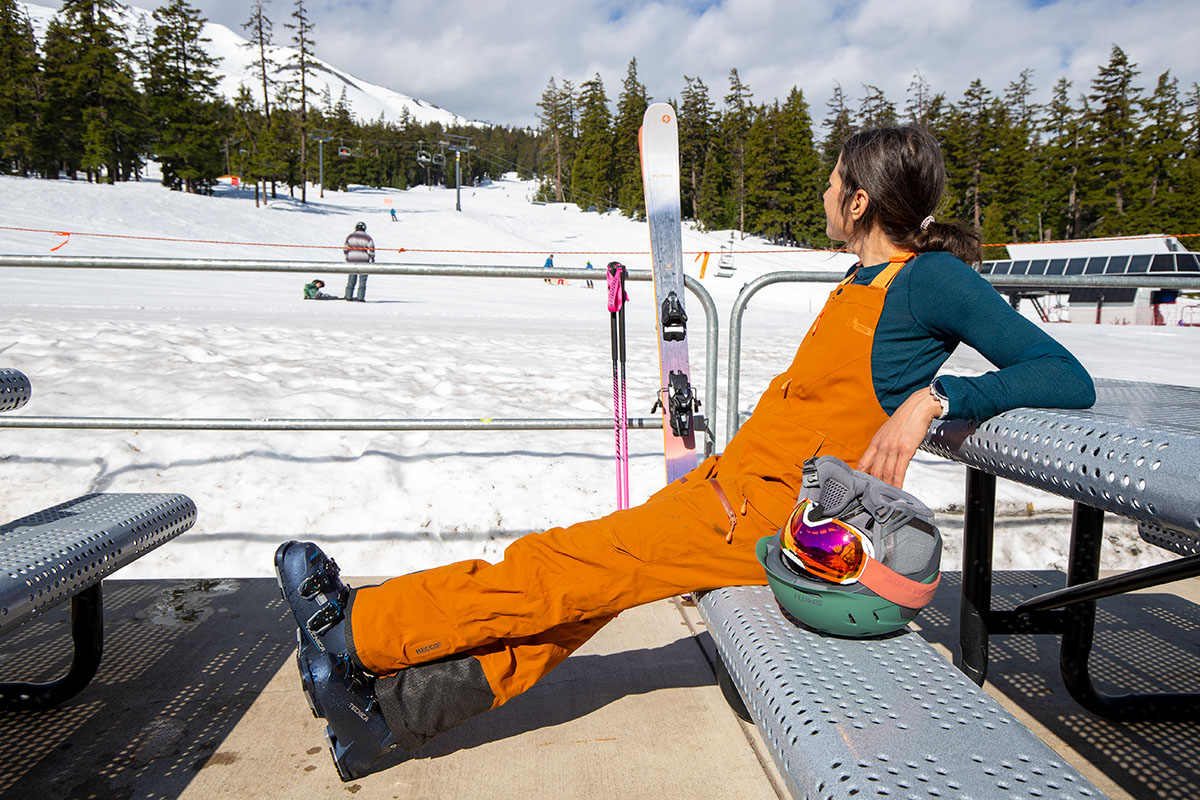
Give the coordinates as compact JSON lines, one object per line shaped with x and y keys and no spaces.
{"x":197,"y":698}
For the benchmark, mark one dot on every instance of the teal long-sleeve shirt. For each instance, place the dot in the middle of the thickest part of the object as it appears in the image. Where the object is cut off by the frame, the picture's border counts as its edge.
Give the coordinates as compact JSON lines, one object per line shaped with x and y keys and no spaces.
{"x":934,"y":303}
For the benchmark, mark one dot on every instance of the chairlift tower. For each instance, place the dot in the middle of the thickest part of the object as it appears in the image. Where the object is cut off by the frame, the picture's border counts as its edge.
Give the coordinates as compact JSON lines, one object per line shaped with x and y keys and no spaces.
{"x":322,"y":136}
{"x":459,"y":144}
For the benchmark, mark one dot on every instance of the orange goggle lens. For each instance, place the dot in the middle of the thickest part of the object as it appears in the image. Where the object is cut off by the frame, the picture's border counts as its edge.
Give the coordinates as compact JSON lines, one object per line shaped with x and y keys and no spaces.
{"x":827,"y":548}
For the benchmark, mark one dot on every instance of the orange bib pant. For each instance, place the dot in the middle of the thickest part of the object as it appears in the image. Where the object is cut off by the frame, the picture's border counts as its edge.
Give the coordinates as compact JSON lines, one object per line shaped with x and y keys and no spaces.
{"x":521,"y":617}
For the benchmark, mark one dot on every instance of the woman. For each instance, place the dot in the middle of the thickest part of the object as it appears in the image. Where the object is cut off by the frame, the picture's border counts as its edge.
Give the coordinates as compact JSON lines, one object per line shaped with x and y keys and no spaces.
{"x":460,"y":639}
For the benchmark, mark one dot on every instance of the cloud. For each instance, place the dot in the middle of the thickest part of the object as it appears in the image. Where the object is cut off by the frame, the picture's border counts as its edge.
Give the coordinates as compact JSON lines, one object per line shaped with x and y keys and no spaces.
{"x":491,"y":59}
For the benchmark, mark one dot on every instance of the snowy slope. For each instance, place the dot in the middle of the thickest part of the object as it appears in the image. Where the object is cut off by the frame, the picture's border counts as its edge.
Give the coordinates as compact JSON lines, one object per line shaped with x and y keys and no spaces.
{"x":366,"y":100}
{"x":172,"y":344}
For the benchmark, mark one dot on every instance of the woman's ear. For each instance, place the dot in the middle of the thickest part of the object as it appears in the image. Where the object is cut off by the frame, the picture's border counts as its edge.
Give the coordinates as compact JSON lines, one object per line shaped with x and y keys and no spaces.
{"x":858,"y":204}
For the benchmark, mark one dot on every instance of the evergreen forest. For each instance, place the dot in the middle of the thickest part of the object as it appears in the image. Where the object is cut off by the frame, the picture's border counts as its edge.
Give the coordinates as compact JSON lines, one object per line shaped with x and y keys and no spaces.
{"x":93,"y":103}
{"x":1118,"y":157}
{"x":1113,"y":158}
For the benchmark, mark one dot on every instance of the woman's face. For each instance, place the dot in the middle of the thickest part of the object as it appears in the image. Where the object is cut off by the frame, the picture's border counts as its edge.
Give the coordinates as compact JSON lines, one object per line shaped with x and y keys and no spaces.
{"x":836,"y":226}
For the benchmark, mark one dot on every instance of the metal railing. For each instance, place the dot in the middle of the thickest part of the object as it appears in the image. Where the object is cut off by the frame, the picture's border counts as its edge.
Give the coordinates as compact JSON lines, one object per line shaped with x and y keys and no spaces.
{"x":733,"y":417}
{"x":711,"y":339}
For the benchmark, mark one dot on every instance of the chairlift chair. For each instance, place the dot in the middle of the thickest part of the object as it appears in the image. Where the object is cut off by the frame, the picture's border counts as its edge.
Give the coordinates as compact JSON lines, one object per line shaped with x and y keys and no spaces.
{"x":439,"y":159}
{"x":725,"y":265}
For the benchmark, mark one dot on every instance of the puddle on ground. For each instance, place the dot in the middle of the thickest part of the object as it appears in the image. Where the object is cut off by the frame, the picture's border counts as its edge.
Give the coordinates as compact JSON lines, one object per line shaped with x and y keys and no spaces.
{"x":188,"y":603}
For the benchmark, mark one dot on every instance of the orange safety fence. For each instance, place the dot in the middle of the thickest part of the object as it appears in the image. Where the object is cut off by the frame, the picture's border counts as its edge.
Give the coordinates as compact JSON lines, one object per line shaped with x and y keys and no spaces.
{"x":698,"y":253}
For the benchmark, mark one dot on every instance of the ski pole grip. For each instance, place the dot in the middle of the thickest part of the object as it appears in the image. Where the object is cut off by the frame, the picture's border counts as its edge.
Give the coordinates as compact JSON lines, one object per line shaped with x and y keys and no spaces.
{"x":616,"y":286}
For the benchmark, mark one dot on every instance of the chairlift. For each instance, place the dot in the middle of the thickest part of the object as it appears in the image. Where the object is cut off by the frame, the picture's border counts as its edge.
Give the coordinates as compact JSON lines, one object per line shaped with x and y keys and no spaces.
{"x":423,"y":157}
{"x":439,"y":159}
{"x":344,"y":152}
{"x":725,"y":265}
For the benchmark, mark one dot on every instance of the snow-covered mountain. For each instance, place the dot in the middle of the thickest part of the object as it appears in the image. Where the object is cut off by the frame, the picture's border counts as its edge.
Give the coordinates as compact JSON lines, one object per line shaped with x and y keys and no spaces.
{"x":366,"y":100}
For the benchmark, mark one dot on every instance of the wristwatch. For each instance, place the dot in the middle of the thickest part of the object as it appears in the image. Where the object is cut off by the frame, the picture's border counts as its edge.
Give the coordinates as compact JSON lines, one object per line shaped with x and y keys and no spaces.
{"x":935,"y":389}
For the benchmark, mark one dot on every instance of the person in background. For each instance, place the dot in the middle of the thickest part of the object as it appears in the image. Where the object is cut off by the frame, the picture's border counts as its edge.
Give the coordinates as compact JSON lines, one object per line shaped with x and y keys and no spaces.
{"x":359,"y":249}
{"x":590,"y":285}
{"x":312,"y":291}
{"x":394,"y":215}
{"x":549,"y":264}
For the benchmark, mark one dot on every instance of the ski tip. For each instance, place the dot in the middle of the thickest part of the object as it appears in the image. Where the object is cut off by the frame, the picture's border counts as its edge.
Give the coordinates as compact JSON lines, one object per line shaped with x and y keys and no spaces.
{"x":659,"y":114}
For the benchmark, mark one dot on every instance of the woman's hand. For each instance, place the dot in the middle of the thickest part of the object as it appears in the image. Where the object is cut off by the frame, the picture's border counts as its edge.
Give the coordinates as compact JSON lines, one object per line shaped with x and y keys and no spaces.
{"x":895,"y":443}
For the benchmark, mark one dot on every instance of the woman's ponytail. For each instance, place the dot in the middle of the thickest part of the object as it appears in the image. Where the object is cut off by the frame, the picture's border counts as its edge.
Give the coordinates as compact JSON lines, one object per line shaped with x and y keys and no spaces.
{"x":958,"y":240}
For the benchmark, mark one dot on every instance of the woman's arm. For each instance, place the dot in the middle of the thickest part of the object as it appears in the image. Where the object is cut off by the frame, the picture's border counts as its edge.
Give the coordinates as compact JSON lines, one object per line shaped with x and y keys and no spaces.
{"x":954,"y":303}
{"x":1033,"y":369}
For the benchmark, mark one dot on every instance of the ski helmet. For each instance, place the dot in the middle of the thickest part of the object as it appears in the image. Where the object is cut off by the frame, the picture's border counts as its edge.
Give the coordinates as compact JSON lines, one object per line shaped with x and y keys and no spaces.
{"x":857,"y":558}
{"x":360,"y":226}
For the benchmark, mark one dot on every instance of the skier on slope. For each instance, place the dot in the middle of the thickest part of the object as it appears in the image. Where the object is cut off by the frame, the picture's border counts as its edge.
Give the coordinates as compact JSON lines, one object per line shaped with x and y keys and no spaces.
{"x":359,"y":249}
{"x":396,"y":664}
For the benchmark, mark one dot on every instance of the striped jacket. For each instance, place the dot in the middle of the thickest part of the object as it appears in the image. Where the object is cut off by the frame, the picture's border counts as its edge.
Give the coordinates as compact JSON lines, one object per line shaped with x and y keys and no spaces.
{"x":360,"y":248}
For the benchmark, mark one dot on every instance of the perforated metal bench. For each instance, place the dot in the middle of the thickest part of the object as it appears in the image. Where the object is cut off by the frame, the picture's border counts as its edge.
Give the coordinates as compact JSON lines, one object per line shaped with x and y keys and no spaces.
{"x":1136,"y":454}
{"x":876,"y":717}
{"x":63,"y":553}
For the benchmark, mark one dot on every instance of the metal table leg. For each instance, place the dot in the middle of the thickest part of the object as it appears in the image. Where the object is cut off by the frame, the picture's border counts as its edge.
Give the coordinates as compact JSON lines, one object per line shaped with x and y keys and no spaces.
{"x":976,"y":602}
{"x":87,"y":632}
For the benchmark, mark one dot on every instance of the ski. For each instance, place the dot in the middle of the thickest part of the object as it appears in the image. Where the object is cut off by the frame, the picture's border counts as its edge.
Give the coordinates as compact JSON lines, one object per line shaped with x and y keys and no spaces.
{"x":659,"y":144}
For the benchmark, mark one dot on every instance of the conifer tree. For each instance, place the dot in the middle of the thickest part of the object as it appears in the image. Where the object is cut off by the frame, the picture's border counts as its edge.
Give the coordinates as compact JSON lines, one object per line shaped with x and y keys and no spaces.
{"x":970,"y":140}
{"x":766,"y":199}
{"x":592,"y":170}
{"x":627,"y":168}
{"x":736,"y":121}
{"x":247,"y":132}
{"x":99,"y":124}
{"x":1063,"y":162}
{"x":259,"y":30}
{"x":302,"y":40}
{"x":806,"y":174}
{"x":179,"y":89}
{"x":1113,"y":128}
{"x":1012,"y":177}
{"x":875,"y":110}
{"x":558,"y":125}
{"x":696,"y":125}
{"x":715,"y":209}
{"x":18,"y":90}
{"x":839,"y":126}
{"x":1190,"y":167}
{"x":1158,"y":202}
{"x":924,"y":108}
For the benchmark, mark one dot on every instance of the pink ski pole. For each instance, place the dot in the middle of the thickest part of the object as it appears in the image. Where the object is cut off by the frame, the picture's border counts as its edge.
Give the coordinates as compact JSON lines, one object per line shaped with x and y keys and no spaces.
{"x":616,"y":308}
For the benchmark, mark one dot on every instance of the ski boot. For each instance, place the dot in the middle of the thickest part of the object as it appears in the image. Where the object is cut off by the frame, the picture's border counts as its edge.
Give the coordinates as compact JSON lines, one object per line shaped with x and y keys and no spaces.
{"x":336,"y":689}
{"x":344,"y":696}
{"x":308,"y":580}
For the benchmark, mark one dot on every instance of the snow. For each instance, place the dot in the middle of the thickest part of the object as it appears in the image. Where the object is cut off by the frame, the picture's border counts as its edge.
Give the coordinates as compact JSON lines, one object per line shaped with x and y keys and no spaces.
{"x":366,"y":100}
{"x":245,"y":345}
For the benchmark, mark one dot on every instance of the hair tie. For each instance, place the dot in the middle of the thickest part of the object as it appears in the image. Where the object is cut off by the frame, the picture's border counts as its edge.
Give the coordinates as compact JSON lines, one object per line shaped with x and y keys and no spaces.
{"x":925,"y":223}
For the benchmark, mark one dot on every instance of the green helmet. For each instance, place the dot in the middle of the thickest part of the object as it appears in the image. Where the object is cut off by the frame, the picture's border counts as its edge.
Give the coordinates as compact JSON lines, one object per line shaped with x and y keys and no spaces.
{"x":895,"y":580}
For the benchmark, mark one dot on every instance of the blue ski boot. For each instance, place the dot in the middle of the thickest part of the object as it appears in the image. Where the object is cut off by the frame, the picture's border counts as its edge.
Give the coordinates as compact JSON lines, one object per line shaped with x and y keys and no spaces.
{"x":309,"y":582}
{"x":344,"y":697}
{"x":336,"y":689}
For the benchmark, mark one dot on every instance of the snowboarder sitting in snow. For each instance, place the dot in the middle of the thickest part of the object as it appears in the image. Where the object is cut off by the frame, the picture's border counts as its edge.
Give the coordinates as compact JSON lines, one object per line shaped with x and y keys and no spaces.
{"x":393,"y":665}
{"x":312,"y":291}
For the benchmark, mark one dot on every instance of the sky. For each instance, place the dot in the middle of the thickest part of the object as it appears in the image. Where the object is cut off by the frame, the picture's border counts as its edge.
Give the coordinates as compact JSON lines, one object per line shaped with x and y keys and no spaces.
{"x":491,"y":59}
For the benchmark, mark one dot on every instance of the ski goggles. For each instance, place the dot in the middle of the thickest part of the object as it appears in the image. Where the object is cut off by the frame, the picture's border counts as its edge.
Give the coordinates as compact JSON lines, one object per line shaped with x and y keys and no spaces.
{"x":826,"y":548}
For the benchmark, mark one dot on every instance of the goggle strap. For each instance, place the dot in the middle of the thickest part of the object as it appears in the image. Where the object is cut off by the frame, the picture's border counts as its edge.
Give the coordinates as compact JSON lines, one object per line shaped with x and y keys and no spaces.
{"x":895,"y":588}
